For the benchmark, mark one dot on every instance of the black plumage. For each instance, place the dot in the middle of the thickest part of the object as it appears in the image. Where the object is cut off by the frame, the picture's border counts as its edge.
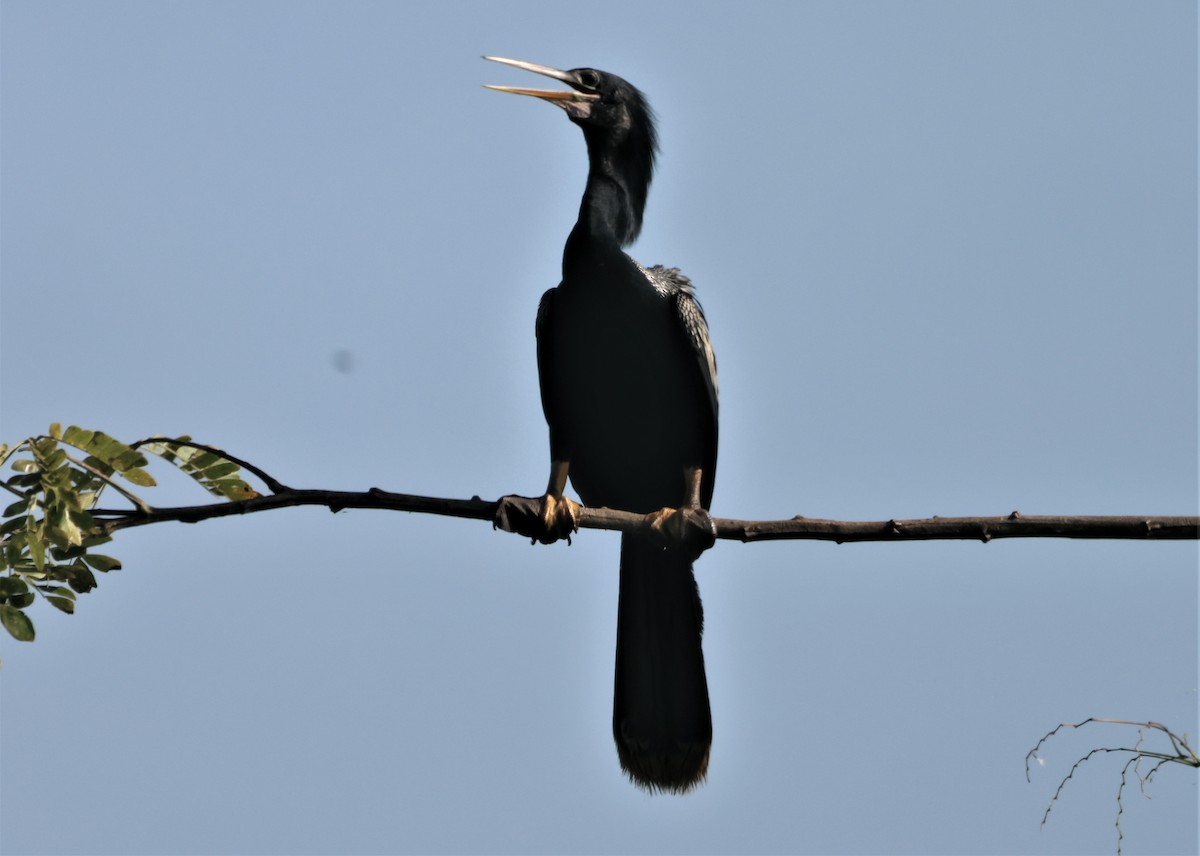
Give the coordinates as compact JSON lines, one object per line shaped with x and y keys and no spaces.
{"x":629,"y":390}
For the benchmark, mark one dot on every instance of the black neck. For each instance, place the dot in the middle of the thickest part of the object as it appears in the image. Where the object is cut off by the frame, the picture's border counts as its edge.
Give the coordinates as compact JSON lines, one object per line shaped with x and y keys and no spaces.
{"x":615,"y":195}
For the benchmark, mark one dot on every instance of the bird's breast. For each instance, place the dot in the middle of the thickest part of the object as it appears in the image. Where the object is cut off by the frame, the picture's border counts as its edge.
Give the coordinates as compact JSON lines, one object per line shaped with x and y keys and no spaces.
{"x":629,"y":401}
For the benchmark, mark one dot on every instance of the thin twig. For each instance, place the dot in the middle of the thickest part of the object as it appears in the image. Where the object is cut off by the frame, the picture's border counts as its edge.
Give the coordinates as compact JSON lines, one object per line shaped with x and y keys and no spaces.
{"x":142,"y":505}
{"x":1183,"y":755}
{"x":271,"y":483}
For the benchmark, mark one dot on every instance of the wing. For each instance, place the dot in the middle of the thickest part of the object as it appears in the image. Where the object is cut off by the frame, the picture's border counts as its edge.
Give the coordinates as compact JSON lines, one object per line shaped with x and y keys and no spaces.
{"x":687,"y":307}
{"x":691,"y":319}
{"x":543,"y":329}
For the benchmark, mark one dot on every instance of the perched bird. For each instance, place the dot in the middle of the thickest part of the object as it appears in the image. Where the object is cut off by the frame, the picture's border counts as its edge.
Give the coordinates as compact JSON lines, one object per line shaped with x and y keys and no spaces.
{"x":629,"y":390}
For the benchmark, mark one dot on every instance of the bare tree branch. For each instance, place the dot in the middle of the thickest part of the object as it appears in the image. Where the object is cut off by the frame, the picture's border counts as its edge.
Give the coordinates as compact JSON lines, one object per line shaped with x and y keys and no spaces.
{"x":984,"y":529}
{"x":1183,"y":754}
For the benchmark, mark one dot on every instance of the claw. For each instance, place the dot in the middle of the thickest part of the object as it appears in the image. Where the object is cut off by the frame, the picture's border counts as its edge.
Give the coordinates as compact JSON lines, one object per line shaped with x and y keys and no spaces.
{"x":689,"y":529}
{"x":544,"y":519}
{"x":560,"y":517}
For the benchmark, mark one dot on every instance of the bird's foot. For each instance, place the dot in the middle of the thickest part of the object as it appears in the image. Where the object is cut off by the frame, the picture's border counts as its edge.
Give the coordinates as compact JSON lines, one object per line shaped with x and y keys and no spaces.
{"x":689,"y":529}
{"x":543,"y":519}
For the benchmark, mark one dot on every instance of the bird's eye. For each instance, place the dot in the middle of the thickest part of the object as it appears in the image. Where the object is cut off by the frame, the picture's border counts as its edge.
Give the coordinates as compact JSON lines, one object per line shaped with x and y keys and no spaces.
{"x":589,"y":78}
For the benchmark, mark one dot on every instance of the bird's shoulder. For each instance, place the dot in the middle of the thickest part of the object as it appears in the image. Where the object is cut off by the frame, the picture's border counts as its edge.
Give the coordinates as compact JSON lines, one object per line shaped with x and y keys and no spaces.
{"x":674,"y":285}
{"x":667,"y":281}
{"x":678,"y":289}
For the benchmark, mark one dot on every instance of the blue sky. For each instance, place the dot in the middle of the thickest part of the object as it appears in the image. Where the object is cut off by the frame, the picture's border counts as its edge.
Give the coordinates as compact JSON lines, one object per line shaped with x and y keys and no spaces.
{"x":948,"y":253}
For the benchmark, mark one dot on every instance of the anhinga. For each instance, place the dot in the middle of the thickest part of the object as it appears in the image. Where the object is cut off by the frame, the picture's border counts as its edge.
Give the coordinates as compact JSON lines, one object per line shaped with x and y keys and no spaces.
{"x":629,"y":389}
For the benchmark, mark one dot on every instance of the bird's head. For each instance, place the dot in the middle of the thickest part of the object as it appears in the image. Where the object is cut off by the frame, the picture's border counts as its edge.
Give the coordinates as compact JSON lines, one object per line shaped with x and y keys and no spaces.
{"x":596,"y":98}
{"x":610,"y":110}
{"x":617,"y":123}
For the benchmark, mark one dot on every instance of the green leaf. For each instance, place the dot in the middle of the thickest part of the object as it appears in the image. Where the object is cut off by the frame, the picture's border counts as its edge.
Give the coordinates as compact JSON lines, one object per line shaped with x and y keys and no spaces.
{"x":11,"y":526}
{"x":83,"y":519}
{"x":21,"y":601}
{"x":56,"y":591}
{"x":26,"y":465}
{"x":65,"y":604}
{"x":37,"y":551}
{"x":63,"y":529}
{"x":14,"y":551}
{"x":104,"y":446}
{"x":65,"y":554}
{"x":98,"y":465}
{"x":104,"y":564}
{"x":220,"y":469}
{"x":170,"y":450}
{"x":116,"y":453}
{"x":16,"y":623}
{"x":56,"y":430}
{"x":60,"y":598}
{"x":105,"y":453}
{"x":43,"y":446}
{"x":234,"y":489}
{"x":204,"y":460}
{"x":78,"y":437}
{"x":80,"y":578}
{"x":139,"y":477}
{"x":18,"y":507}
{"x":11,"y":586}
{"x":54,"y":459}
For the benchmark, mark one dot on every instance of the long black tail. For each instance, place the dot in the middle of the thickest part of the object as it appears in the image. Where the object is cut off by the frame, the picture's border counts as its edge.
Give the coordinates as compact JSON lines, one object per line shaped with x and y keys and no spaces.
{"x":661,"y":719}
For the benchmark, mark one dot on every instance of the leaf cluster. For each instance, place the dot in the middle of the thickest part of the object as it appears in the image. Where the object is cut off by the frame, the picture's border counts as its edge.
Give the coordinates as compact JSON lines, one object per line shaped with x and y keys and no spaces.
{"x":49,"y":535}
{"x":211,"y":470}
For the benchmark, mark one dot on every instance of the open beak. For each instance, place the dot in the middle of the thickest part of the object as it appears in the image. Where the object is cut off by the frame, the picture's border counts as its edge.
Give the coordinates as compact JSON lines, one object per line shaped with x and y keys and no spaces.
{"x":576,"y":101}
